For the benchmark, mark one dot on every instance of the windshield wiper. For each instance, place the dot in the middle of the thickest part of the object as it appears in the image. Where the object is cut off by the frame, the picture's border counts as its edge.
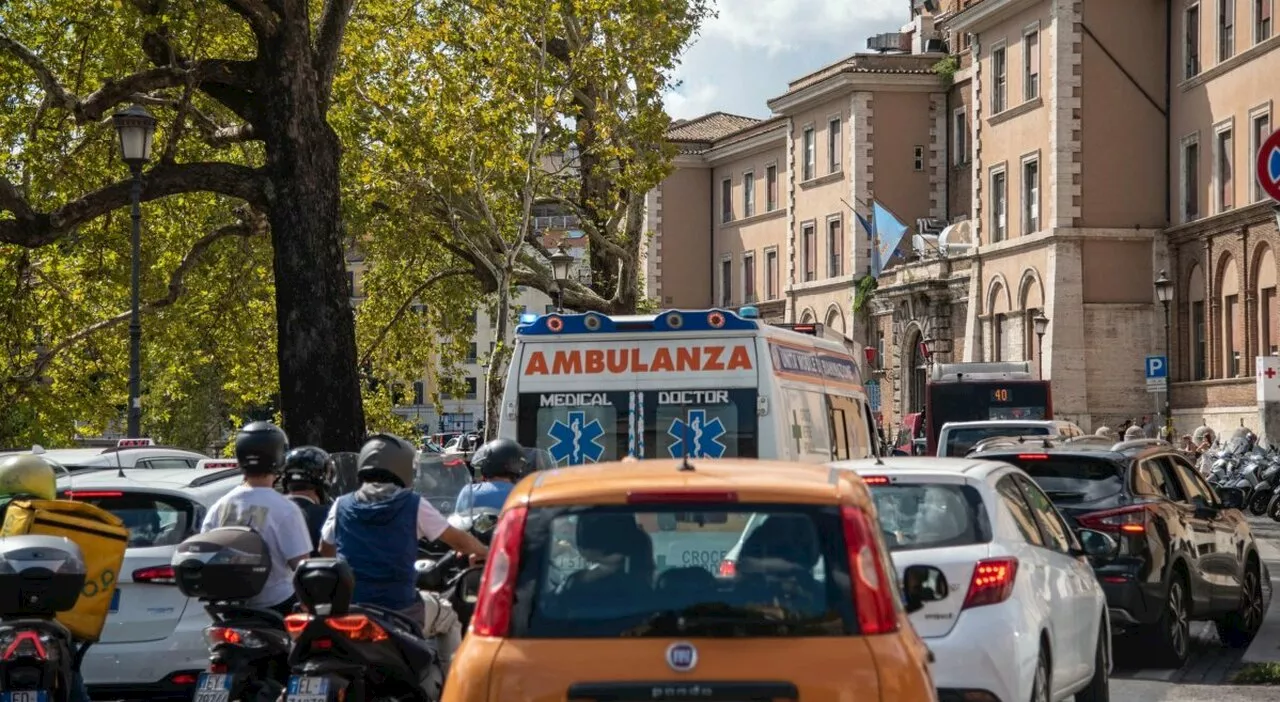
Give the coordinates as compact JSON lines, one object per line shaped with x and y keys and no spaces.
{"x":708,"y":618}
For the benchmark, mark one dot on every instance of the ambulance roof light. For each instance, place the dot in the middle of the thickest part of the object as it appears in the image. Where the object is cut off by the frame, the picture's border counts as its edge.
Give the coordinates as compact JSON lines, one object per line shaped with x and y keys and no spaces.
{"x":711,"y":320}
{"x":528,"y":318}
{"x":749,"y":312}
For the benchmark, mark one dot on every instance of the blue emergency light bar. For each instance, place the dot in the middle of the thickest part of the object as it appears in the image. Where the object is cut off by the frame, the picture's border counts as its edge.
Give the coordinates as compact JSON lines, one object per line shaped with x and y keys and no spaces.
{"x":669,"y":321}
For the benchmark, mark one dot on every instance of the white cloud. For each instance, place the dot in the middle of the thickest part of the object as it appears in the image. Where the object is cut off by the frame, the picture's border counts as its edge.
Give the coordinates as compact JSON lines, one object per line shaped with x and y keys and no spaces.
{"x":750,"y":51}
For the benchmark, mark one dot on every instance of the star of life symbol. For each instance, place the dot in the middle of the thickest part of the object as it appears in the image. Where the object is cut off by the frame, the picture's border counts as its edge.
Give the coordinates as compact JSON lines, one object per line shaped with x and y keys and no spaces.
{"x":578,"y":441}
{"x":703,"y":436}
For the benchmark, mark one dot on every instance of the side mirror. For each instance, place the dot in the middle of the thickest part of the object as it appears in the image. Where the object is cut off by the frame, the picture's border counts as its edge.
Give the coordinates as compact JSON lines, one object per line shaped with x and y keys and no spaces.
{"x":922,"y":584}
{"x":1204,"y":510}
{"x":1096,"y":544}
{"x":1231,"y":498}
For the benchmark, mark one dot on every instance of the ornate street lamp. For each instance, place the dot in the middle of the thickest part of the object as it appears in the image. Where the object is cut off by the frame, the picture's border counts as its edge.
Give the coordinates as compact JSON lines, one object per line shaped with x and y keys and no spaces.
{"x":136,"y":129}
{"x":1164,"y":293}
{"x":561,"y":263}
{"x":1041,"y":325}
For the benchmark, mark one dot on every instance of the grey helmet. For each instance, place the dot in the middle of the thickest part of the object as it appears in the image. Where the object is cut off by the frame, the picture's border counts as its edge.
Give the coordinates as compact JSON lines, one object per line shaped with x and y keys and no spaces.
{"x":386,"y":458}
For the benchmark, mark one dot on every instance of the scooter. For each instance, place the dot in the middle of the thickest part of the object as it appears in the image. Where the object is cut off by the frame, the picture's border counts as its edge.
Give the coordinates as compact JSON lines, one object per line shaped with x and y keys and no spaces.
{"x":39,"y":577}
{"x":248,"y":646}
{"x":354,"y":652}
{"x":1266,"y":487}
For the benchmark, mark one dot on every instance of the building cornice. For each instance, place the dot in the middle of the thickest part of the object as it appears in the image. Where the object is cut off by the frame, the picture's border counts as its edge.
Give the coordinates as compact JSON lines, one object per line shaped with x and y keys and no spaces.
{"x":985,"y":13}
{"x":852,"y":81}
{"x":1257,"y":213}
{"x":773,"y":137}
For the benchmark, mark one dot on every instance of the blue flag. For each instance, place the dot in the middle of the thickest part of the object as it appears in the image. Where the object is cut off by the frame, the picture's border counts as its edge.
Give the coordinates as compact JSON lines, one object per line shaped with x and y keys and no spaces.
{"x":887,"y":232}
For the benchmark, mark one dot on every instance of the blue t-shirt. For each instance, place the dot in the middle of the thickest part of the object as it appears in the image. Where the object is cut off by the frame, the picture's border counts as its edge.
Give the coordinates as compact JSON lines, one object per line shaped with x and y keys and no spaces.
{"x":479,"y":495}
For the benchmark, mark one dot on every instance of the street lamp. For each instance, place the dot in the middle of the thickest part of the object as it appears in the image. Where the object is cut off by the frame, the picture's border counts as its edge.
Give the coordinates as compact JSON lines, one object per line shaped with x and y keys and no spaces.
{"x":1164,"y":292}
{"x":136,"y":129}
{"x":1041,"y":325}
{"x":561,"y":262}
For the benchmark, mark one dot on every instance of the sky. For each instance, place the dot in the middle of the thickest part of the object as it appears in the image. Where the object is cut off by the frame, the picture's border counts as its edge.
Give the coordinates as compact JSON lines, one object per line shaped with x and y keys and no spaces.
{"x":753,"y":48}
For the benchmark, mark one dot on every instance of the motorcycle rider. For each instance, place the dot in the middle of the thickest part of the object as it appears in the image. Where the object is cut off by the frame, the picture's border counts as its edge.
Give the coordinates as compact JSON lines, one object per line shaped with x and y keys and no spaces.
{"x":376,"y":529}
{"x":500,"y":463}
{"x":308,"y":471}
{"x":260,"y":450}
{"x":29,"y":476}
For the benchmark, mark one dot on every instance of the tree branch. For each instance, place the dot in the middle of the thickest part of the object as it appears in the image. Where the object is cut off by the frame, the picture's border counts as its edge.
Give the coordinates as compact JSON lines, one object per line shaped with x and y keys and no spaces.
{"x":114,"y":92}
{"x":333,"y":24}
{"x":33,"y":229}
{"x":234,"y":87}
{"x":408,"y":302}
{"x":261,"y":18}
{"x":251,"y":223}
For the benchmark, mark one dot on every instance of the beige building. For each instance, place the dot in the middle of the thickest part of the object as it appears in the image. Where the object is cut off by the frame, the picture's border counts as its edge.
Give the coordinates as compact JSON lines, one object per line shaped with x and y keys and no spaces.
{"x":1054,"y":162}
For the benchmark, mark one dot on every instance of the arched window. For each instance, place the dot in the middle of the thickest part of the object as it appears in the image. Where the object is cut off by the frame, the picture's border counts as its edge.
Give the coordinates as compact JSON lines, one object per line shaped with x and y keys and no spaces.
{"x":1230,"y":318}
{"x":1264,"y":287}
{"x":1031,"y":303}
{"x":999,"y":347}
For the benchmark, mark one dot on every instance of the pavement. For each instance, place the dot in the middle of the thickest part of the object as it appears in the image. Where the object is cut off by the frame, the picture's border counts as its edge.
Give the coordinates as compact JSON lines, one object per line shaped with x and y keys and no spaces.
{"x":1207,"y":675}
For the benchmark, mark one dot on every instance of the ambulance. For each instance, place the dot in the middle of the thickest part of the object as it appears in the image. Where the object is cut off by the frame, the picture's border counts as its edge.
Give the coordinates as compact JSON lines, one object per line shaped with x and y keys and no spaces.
{"x":589,"y":388}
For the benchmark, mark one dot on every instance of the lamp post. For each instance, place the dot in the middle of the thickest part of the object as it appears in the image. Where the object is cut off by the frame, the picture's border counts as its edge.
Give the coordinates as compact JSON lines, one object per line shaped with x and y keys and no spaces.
{"x":561,"y":262}
{"x":136,"y":129}
{"x":1164,"y":292}
{"x":1041,"y":325}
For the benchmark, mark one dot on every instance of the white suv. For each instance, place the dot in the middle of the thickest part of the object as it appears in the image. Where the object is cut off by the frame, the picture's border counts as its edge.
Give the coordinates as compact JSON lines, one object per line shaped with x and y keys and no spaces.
{"x":153,"y":645}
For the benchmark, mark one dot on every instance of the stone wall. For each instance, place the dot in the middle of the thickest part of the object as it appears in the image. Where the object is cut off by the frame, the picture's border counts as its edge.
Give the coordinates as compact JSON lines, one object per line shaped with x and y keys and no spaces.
{"x":1119,"y":338}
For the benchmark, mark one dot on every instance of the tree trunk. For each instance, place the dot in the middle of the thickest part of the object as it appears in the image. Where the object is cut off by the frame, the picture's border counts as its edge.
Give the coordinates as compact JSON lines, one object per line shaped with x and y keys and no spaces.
{"x":316,"y":339}
{"x":496,"y":374}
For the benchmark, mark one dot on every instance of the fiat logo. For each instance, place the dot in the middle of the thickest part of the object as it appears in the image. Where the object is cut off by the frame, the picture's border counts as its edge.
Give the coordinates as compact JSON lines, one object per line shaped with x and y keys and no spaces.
{"x":682,"y":657}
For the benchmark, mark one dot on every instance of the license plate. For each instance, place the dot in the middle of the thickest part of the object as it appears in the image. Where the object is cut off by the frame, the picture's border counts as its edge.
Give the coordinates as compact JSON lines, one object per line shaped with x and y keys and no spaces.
{"x":24,"y":696}
{"x":304,"y":689}
{"x":213,"y":687}
{"x":115,"y":602}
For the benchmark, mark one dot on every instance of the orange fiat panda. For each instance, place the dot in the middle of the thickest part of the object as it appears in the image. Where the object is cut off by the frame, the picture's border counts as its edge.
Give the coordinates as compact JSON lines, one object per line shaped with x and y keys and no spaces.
{"x":610,"y":582}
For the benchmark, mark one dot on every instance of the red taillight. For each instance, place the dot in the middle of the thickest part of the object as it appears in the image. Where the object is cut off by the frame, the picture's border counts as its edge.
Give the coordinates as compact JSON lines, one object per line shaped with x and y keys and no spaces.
{"x":215,"y":635}
{"x":357,"y":627}
{"x":90,"y":494}
{"x":992,"y":582}
{"x":295,"y":623}
{"x":1127,"y":520}
{"x":26,"y":644}
{"x":728,"y":569}
{"x":454,"y":463}
{"x":638,"y":497}
{"x":183,"y":678}
{"x":160,"y":575}
{"x":492,"y":616}
{"x":875,"y":479}
{"x":218,"y":668}
{"x":873,"y":592}
{"x":1033,"y":457}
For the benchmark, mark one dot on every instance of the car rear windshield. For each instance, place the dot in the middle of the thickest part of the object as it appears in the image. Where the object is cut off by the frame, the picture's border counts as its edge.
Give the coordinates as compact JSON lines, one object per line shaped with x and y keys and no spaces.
{"x":152,"y":520}
{"x":753,"y":570}
{"x":915,"y":516}
{"x":1070,"y":479}
{"x":961,"y":439}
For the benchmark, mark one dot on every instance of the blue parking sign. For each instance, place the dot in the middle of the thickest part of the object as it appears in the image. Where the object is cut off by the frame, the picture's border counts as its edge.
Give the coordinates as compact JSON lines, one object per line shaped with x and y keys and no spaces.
{"x":1157,"y":367}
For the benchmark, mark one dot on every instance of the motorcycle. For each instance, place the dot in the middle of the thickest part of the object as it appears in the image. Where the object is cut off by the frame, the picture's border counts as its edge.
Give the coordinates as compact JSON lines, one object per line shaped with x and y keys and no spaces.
{"x":248,"y":646}
{"x":1265,"y":490}
{"x":39,"y":577}
{"x":351,"y":651}
{"x":450,"y":577}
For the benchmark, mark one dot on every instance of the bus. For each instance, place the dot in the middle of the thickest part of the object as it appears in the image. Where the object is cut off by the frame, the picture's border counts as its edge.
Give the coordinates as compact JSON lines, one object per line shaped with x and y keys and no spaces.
{"x":966,"y":392}
{"x":589,"y":388}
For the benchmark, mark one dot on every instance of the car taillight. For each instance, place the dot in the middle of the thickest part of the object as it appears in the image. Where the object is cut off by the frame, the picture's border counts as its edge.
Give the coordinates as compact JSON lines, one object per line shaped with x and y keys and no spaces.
{"x":160,"y":575}
{"x":875,"y":479}
{"x":246,"y":638}
{"x":873,"y":592}
{"x":992,"y":582}
{"x":295,"y":623}
{"x":1033,"y":457}
{"x":1126,"y":520}
{"x":492,"y":616}
{"x":26,"y":644}
{"x":728,"y":569}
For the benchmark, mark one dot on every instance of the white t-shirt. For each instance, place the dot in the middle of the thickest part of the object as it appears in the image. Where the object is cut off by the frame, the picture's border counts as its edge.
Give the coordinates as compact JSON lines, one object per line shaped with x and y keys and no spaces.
{"x":431,"y":524}
{"x":281,"y":524}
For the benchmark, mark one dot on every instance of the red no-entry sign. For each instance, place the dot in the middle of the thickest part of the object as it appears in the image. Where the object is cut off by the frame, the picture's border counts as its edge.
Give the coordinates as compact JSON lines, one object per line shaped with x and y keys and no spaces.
{"x":1268,"y":166}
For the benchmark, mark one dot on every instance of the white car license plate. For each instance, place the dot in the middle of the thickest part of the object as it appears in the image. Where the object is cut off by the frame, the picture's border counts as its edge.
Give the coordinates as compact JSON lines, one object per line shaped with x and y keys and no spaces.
{"x":25,"y":696}
{"x":305,"y":689}
{"x":213,"y":687}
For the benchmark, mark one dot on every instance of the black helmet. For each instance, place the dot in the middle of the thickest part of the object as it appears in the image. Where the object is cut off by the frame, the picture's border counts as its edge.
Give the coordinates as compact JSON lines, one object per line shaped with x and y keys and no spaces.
{"x":260,"y":448}
{"x":386,"y":458}
{"x":308,"y":468}
{"x":500,"y":458}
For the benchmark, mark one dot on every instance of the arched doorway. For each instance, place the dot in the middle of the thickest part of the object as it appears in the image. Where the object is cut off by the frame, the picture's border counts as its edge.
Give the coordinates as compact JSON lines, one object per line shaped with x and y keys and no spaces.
{"x":913,"y":372}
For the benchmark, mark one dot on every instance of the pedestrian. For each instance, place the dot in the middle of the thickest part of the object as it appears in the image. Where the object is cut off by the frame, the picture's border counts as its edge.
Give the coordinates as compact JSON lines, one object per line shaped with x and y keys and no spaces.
{"x":1148,"y":427}
{"x":1124,"y":427}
